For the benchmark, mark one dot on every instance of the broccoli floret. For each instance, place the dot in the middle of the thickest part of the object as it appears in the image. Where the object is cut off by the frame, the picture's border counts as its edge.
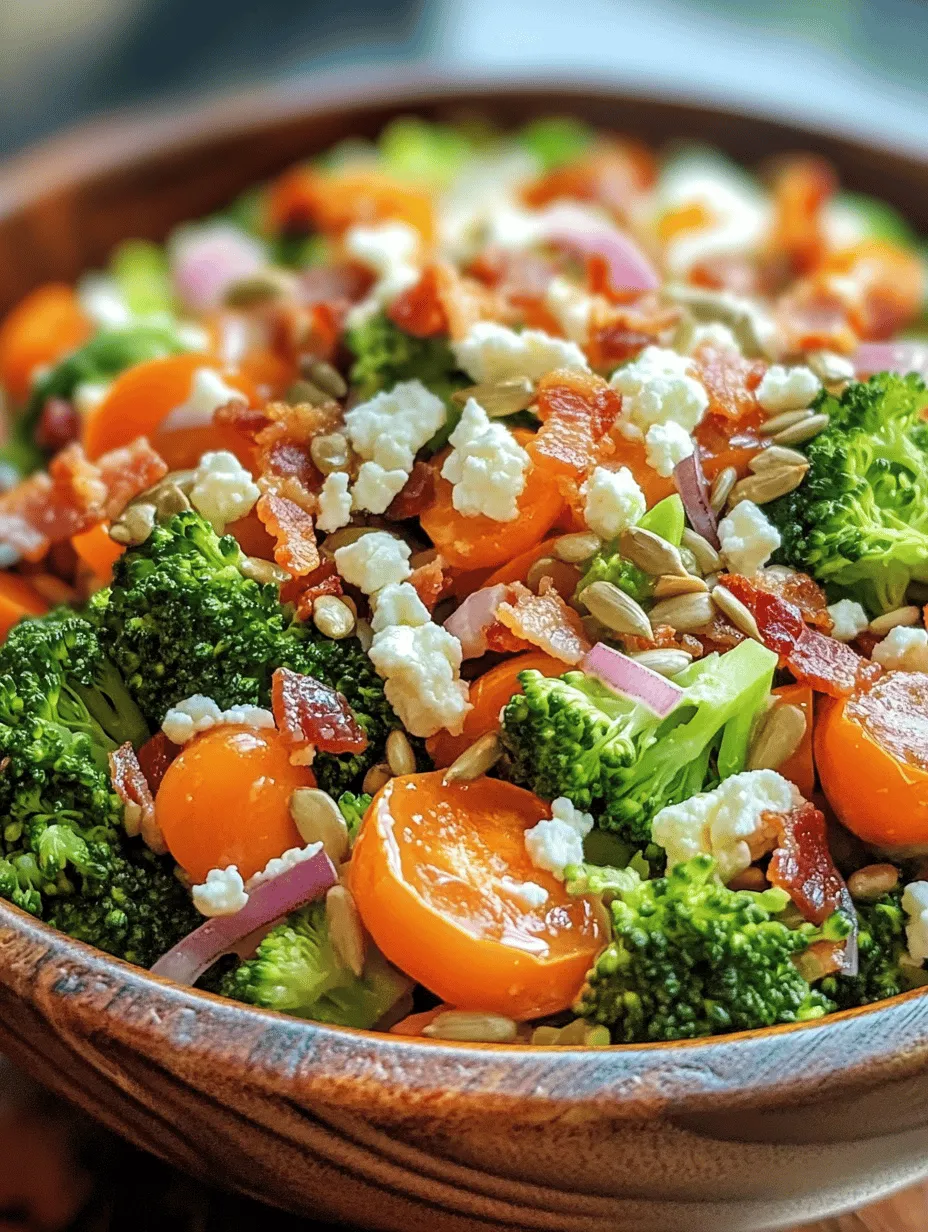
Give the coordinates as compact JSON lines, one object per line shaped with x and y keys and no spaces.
{"x":609,"y":565}
{"x":859,"y":522}
{"x":572,"y":736}
{"x":881,"y":943}
{"x":181,"y":618}
{"x":298,"y":971}
{"x":556,"y":140}
{"x":691,"y":958}
{"x":353,"y":809}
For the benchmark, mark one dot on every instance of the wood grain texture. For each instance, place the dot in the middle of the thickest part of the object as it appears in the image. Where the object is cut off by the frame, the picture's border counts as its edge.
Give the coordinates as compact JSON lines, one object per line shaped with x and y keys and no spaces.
{"x":761,"y":1131}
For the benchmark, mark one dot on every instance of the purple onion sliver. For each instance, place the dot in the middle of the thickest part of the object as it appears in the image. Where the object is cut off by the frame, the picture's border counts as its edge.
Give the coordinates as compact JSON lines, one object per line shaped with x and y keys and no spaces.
{"x":632,"y":680}
{"x":268,"y":901}
{"x":694,"y":492}
{"x":899,"y":357}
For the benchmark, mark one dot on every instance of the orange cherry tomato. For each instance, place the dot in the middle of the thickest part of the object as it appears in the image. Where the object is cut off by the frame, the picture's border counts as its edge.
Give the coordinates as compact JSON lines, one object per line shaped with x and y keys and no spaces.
{"x":17,"y":599}
{"x":432,"y":873}
{"x":98,"y":551}
{"x":488,"y":694}
{"x":800,"y":768}
{"x":142,"y":397}
{"x":42,"y":328}
{"x":873,"y":763}
{"x":225,"y":799}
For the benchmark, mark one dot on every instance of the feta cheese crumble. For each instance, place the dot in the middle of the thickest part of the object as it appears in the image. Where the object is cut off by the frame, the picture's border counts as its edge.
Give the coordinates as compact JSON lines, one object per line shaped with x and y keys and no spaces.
{"x":903,"y":650}
{"x":613,"y":501}
{"x":222,"y":893}
{"x":334,"y":503}
{"x":491,"y":353}
{"x":223,"y":491}
{"x":658,"y":388}
{"x":727,"y":823}
{"x":375,"y":488}
{"x":392,"y":427}
{"x":666,"y":445}
{"x":572,"y":308}
{"x":103,"y":302}
{"x":849,"y":619}
{"x":486,"y":467}
{"x":398,"y":604}
{"x":390,"y":250}
{"x":282,"y":864}
{"x":787,"y":389}
{"x":373,"y":561}
{"x":747,"y":538}
{"x":208,"y":392}
{"x":915,"y":905}
{"x":557,"y":842}
{"x":421,"y":670}
{"x":198,"y":714}
{"x":715,"y":334}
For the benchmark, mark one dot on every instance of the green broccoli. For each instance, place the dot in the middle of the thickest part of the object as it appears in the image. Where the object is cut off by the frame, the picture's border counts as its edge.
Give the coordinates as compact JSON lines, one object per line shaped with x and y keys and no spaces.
{"x":572,"y":736}
{"x":353,"y":809}
{"x":859,"y":522}
{"x":143,"y":277}
{"x":881,"y":944}
{"x":666,"y":519}
{"x":181,"y":618}
{"x":691,"y":958}
{"x":298,"y":971}
{"x":556,"y":140}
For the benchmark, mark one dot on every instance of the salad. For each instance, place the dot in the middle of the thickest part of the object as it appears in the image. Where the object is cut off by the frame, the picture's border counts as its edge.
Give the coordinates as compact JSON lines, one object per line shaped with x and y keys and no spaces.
{"x":474,"y":587}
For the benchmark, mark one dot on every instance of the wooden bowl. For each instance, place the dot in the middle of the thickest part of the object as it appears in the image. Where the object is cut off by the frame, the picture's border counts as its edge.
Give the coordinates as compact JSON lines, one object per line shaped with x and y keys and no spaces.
{"x":756,"y":1131}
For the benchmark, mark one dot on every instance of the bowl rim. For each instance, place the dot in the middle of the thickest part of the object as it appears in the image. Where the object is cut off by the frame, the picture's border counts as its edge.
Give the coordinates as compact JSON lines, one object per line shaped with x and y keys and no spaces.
{"x":89,"y":991}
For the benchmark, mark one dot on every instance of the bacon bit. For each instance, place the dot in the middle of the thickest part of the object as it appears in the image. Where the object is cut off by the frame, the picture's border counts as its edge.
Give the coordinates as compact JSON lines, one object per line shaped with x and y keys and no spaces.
{"x":576,"y":409}
{"x":154,"y":757}
{"x":546,"y":621}
{"x":131,"y":785}
{"x":830,"y":667}
{"x":520,"y":275}
{"x":729,"y":272}
{"x":248,"y":421}
{"x":338,"y":285}
{"x":127,"y":472}
{"x":292,"y":528}
{"x":285,"y":467}
{"x":816,"y":314}
{"x":729,"y":379}
{"x":429,"y":581}
{"x":329,"y":585}
{"x":802,"y":592}
{"x":443,"y":302}
{"x":416,"y":494}
{"x":502,"y":640}
{"x":890,"y":284}
{"x":620,"y":332}
{"x":802,"y":188}
{"x":665,"y":638}
{"x":419,"y":310}
{"x":613,"y":175}
{"x":59,"y":424}
{"x":802,"y":865}
{"x":309,"y":713}
{"x":780,"y":622}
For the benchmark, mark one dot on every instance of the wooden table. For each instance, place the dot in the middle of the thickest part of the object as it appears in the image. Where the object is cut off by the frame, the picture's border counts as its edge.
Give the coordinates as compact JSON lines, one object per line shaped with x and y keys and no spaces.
{"x":60,"y":1171}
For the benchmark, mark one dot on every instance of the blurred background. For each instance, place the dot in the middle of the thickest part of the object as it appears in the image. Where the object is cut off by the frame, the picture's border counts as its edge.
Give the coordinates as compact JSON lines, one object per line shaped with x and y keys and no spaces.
{"x":852,"y":64}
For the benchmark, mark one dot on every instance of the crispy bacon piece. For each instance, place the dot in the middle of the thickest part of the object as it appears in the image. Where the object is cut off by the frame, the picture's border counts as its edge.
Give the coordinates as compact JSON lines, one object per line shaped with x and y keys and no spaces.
{"x":780,"y":622}
{"x":802,"y":592}
{"x":802,"y":187}
{"x":443,"y":302}
{"x":666,"y":638}
{"x":416,"y":494}
{"x":500,"y":639}
{"x":545,"y":620}
{"x":612,"y":175}
{"x":309,"y":713}
{"x":729,"y":379}
{"x":331,"y":584}
{"x":429,"y":581}
{"x":802,"y":865}
{"x":817,"y":314}
{"x":577,"y":409}
{"x":131,"y":785}
{"x":292,"y":528}
{"x":244,"y":419}
{"x":154,"y":757}
{"x":620,"y":332}
{"x":285,"y":466}
{"x":128,"y":471}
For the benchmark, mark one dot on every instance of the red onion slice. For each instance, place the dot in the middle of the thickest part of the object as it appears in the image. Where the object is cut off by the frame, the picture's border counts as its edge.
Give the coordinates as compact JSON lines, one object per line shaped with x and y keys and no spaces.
{"x":631,"y":679}
{"x":901,"y":357}
{"x":694,"y":492}
{"x":580,"y":232}
{"x":267,"y":902}
{"x":207,"y":259}
{"x":469,"y":622}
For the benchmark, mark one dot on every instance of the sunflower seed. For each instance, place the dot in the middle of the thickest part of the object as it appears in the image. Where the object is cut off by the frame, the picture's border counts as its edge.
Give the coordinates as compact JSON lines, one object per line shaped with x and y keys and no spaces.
{"x":329,"y":452}
{"x":873,"y":881}
{"x":831,"y":369}
{"x":578,"y":1033}
{"x":400,"y":757}
{"x":674,"y":584}
{"x":909,"y":616}
{"x":345,"y":930}
{"x":263,"y":571}
{"x":499,"y":398}
{"x":472,"y":1027}
{"x":683,"y":613}
{"x":664,"y":662}
{"x":261,"y":288}
{"x":324,"y":376}
{"x":305,"y":391}
{"x":333,"y":617}
{"x":565,"y":577}
{"x":787,"y":420}
{"x":802,"y":431}
{"x":707,"y":558}
{"x":768,"y":485}
{"x":575,"y":549}
{"x":774,"y":456}
{"x":378,"y":776}
{"x":650,"y":552}
{"x":722,"y":485}
{"x":319,"y":820}
{"x":777,"y":739}
{"x":134,"y":525}
{"x":482,"y":756}
{"x":617,"y":610}
{"x":740,"y":616}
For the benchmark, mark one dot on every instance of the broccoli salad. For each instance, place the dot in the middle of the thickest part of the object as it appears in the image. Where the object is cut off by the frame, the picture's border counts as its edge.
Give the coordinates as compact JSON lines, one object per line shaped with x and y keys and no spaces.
{"x":474,"y":587}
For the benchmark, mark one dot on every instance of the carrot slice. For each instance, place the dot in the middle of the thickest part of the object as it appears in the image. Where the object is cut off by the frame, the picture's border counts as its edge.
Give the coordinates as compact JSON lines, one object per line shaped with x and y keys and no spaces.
{"x":42,"y":328}
{"x":800,"y":768}
{"x":97,"y":550}
{"x":436,"y":874}
{"x":311,"y":200}
{"x":17,"y":599}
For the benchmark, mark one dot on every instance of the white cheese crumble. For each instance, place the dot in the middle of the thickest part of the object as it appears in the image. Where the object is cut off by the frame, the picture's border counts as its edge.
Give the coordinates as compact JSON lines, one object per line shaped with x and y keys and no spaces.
{"x":222,"y":893}
{"x":727,"y":823}
{"x":849,"y":619}
{"x":528,"y":892}
{"x":715,"y":334}
{"x":787,"y":389}
{"x":223,"y":491}
{"x":208,"y":392}
{"x":198,"y":714}
{"x":102,"y":300}
{"x":421,"y":670}
{"x":554,"y":844}
{"x":666,"y":445}
{"x":392,"y":427}
{"x":282,"y":864}
{"x":658,"y":388}
{"x":903,"y":650}
{"x":747,"y":538}
{"x":613,"y":501}
{"x":491,"y":353}
{"x":88,"y":394}
{"x":738,"y":214}
{"x":486,"y":467}
{"x":334,"y":503}
{"x":915,"y":905}
{"x":375,"y":488}
{"x":398,"y":604}
{"x":572,"y":308}
{"x":373,"y":561}
{"x":390,"y":250}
